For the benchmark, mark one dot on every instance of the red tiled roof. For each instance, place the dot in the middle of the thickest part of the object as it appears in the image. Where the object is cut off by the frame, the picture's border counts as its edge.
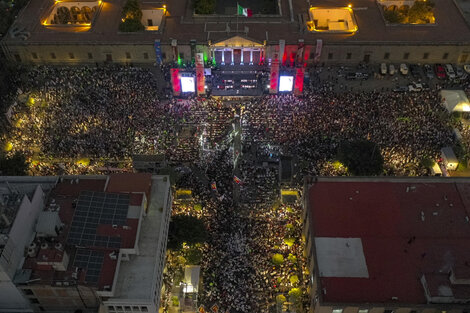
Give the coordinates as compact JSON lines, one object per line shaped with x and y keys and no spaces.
{"x":398,"y":245}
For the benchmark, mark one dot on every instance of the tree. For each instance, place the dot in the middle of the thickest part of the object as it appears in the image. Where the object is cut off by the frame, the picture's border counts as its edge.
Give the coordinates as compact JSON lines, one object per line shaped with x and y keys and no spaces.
{"x":361,"y":157}
{"x":204,"y":6}
{"x":185,"y":228}
{"x":14,"y":165}
{"x":131,"y":17}
{"x":393,"y":17}
{"x":421,"y":12}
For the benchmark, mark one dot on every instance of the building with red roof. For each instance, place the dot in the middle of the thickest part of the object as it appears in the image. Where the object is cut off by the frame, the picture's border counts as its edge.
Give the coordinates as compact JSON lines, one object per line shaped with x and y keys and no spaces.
{"x":388,"y":244}
{"x":96,"y":234}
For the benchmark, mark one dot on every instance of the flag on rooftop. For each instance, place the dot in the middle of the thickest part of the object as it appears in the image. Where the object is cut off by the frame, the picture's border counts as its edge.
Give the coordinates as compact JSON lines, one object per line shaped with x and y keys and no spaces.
{"x":244,"y":11}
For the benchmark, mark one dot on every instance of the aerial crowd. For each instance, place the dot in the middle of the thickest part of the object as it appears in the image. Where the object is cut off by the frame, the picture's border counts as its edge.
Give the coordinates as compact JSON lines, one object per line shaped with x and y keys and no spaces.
{"x":112,"y":113}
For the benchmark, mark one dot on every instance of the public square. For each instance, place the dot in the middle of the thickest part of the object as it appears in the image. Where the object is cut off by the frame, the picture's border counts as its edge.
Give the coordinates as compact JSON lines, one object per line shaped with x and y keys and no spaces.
{"x":84,"y":120}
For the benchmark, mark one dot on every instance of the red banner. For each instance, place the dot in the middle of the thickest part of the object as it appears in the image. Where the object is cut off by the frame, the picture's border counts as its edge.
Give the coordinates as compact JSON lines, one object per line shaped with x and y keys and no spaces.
{"x":274,"y":78}
{"x":175,"y":81}
{"x":200,"y":80}
{"x":299,"y":81}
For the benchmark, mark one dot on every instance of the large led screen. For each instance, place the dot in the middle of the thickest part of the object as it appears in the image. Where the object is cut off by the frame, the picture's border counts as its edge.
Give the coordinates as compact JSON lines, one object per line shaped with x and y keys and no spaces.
{"x":187,"y":84}
{"x":286,"y":83}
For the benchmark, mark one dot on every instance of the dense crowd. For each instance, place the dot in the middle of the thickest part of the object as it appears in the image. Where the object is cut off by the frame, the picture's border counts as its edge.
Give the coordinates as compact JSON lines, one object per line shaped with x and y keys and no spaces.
{"x":111,"y":113}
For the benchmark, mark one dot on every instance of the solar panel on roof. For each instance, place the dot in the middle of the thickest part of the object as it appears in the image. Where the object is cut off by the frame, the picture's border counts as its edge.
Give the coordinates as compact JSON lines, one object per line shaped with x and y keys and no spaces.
{"x":93,"y":209}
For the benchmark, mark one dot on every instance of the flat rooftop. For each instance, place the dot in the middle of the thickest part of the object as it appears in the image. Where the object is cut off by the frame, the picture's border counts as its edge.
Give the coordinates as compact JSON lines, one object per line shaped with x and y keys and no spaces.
{"x":450,"y":26}
{"x":375,"y":238}
{"x":137,"y":277}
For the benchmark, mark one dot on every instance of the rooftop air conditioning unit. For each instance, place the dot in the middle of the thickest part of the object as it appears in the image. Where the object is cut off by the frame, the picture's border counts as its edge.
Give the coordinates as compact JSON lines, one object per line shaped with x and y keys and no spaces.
{"x":44,"y":245}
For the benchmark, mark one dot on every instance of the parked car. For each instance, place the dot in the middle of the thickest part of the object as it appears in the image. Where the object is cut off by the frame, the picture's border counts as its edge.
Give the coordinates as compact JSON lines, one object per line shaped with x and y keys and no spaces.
{"x":401,"y":89}
{"x":415,"y":87}
{"x":450,"y":71}
{"x":351,"y":76}
{"x":383,"y":69}
{"x":425,"y":86}
{"x":428,"y":70}
{"x":391,"y":69}
{"x":459,"y":71}
{"x":440,"y":71}
{"x":403,"y":69}
{"x":415,"y":72}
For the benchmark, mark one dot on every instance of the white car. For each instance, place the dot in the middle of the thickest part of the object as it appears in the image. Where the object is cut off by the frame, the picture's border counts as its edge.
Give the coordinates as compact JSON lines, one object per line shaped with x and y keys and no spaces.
{"x":415,"y":87}
{"x":450,"y":71}
{"x":383,"y":69}
{"x":391,"y":69}
{"x":466,"y":68}
{"x":404,"y":69}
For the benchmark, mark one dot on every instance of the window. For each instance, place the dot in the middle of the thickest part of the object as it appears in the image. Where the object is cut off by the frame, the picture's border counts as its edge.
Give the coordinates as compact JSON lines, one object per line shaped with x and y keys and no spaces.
{"x":387,"y":55}
{"x":28,"y":292}
{"x":146,"y":55}
{"x":363,"y":311}
{"x":426,"y":55}
{"x":35,"y":55}
{"x":90,"y":55}
{"x":337,"y":310}
{"x":406,"y":55}
{"x":71,"y":55}
{"x":144,"y":309}
{"x":330,"y":56}
{"x":53,"y":55}
{"x":128,"y":55}
{"x":348,"y":55}
{"x":135,"y":308}
{"x":445,"y":56}
{"x":149,"y":22}
{"x":17,"y":57}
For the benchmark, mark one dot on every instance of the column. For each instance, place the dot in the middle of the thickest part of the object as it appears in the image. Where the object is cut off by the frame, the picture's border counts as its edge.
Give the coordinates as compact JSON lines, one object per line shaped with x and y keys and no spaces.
{"x":223,"y":56}
{"x":232,"y":55}
{"x":242,"y":55}
{"x":251,"y":56}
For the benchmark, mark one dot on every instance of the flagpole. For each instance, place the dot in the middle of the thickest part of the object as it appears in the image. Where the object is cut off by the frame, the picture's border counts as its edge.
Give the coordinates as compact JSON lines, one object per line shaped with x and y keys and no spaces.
{"x":237,"y":18}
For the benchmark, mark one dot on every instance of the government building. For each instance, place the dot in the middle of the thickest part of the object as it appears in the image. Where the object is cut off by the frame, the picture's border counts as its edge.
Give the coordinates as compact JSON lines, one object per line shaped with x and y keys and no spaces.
{"x":297,"y":32}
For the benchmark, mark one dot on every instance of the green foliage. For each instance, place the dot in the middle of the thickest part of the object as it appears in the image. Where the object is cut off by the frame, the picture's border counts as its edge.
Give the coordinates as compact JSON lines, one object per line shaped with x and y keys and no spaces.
{"x":421,"y":12}
{"x":193,"y":256}
{"x":394,"y":17}
{"x":289,"y":241}
{"x":131,"y":10}
{"x":292,"y":258}
{"x":294,"y":279}
{"x":131,"y":26}
{"x":175,"y":301}
{"x":14,"y":165}
{"x":280,"y":299}
{"x":131,"y":15}
{"x":185,"y":228}
{"x":278,"y":259}
{"x":204,"y":6}
{"x":295,"y":293}
{"x":361,"y":157}
{"x":198,"y":207}
{"x":427,"y":162}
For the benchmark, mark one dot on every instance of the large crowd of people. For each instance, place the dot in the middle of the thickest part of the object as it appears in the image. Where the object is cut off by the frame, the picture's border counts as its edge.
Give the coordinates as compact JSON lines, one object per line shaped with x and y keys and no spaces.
{"x":109,"y":114}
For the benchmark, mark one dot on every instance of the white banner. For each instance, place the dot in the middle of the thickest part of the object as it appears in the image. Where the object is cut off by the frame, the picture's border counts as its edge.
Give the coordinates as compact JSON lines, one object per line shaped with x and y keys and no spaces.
{"x":318,"y":49}
{"x":282,"y":46}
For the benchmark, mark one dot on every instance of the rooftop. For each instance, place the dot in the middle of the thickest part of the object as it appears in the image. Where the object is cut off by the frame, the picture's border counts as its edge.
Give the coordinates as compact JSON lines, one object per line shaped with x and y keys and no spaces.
{"x":134,"y":275}
{"x":94,"y":225}
{"x":396,"y":231}
{"x":180,"y":24}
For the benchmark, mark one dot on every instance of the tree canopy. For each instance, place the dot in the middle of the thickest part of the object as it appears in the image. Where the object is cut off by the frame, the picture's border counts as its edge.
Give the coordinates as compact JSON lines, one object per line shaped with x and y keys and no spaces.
{"x":14,"y":165}
{"x":361,"y":157}
{"x":131,"y":15}
{"x":185,"y":228}
{"x":204,"y":6}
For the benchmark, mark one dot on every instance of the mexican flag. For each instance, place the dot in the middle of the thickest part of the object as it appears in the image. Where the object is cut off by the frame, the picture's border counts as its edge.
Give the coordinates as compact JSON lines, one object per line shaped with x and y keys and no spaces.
{"x":243,"y":11}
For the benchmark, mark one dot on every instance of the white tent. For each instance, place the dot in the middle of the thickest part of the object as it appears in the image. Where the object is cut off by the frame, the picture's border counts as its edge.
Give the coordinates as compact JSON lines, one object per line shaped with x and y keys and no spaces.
{"x":455,"y":100}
